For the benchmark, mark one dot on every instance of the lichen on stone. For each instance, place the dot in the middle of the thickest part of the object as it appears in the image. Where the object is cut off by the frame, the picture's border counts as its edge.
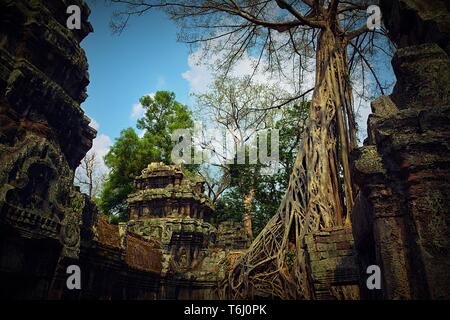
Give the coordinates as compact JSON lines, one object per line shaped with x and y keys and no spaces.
{"x":370,"y":161}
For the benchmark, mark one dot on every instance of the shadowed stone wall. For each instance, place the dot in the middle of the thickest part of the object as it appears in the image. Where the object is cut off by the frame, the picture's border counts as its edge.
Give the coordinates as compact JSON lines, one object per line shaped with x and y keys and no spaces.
{"x":43,"y":136}
{"x":403,"y":170}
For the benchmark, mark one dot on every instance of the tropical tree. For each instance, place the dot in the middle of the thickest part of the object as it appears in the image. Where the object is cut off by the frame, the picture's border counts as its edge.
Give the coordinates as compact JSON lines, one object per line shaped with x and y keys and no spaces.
{"x":130,"y":153}
{"x":321,"y":192}
{"x":267,"y":189}
{"x":163,"y":115}
{"x":233,"y":105}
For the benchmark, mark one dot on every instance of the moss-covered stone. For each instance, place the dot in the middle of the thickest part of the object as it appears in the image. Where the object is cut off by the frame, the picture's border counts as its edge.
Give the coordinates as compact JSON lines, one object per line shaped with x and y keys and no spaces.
{"x":370,"y":161}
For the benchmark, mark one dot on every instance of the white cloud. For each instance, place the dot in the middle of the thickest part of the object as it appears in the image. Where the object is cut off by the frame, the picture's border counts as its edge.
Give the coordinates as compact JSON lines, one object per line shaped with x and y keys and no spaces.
{"x":364,"y":113}
{"x":200,"y":77}
{"x":94,"y":124}
{"x":200,"y":74}
{"x":101,"y":145}
{"x":137,"y":111}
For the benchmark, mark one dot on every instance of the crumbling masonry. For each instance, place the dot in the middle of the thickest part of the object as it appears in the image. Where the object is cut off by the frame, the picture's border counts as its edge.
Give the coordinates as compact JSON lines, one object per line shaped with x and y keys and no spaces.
{"x":170,"y":248}
{"x":401,"y":220}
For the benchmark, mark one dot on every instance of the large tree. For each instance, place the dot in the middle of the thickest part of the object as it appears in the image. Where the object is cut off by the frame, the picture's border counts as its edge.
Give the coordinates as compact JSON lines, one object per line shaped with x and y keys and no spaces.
{"x":268,"y":189}
{"x":241,"y":109}
{"x":320,"y":192}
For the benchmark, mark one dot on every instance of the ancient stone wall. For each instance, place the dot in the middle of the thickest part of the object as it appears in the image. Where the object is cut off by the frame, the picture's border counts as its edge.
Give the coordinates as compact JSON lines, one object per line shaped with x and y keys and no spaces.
{"x":43,"y":136}
{"x":117,"y":264}
{"x":332,"y":263}
{"x":171,"y":209}
{"x":401,"y":218}
{"x":232,"y":235}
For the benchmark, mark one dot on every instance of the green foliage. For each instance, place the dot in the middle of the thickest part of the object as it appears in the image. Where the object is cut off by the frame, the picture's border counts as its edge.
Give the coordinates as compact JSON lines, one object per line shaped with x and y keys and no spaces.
{"x":291,"y":124}
{"x":163,"y":115}
{"x":269,"y":189}
{"x":130,"y":153}
{"x":126,"y":159}
{"x":229,"y":206}
{"x":113,"y":219}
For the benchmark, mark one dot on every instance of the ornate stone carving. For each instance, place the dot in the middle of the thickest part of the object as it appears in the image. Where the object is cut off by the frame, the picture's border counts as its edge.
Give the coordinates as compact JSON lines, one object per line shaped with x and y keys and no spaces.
{"x":43,"y":134}
{"x":172,"y":209}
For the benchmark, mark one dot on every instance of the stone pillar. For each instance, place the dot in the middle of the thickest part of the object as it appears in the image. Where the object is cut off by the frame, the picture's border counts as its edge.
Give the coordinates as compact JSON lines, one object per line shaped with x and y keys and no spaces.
{"x":403,"y":168}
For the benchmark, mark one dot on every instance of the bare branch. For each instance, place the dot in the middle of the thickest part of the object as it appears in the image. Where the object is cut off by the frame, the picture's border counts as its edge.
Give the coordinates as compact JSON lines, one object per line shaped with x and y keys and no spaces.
{"x":369,"y":66}
{"x":351,"y":35}
{"x":287,"y":101}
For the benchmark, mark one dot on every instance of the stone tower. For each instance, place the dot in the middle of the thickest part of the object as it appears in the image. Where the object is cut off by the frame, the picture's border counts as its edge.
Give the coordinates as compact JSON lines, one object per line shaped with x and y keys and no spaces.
{"x":171,"y":209}
{"x":165,"y":192}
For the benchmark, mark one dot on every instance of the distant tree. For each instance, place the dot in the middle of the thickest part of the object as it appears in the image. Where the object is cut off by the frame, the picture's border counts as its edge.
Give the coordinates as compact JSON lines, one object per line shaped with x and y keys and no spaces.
{"x":130,"y":153}
{"x":291,"y":124}
{"x":268,"y":190}
{"x":126,"y":159}
{"x":163,"y":115}
{"x":242,"y":109}
{"x":89,"y":176}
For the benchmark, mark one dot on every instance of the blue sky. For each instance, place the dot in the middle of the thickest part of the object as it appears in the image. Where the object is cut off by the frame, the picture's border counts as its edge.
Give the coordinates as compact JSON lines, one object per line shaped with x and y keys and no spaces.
{"x":145,"y":58}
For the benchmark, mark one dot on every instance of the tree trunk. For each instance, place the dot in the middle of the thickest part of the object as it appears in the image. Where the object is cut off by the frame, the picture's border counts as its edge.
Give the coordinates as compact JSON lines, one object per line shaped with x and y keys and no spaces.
{"x":248,"y":202}
{"x":328,"y":144}
{"x":320,"y":190}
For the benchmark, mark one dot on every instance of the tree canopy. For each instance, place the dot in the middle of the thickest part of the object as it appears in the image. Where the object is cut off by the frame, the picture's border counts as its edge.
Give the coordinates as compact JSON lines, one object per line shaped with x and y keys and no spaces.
{"x":268,"y":189}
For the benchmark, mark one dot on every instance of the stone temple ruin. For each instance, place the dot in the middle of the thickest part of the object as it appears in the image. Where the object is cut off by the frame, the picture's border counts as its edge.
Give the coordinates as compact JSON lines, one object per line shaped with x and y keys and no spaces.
{"x":400,"y":221}
{"x":171,"y":248}
{"x":168,"y":250}
{"x":44,"y":134}
{"x":172,"y":210}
